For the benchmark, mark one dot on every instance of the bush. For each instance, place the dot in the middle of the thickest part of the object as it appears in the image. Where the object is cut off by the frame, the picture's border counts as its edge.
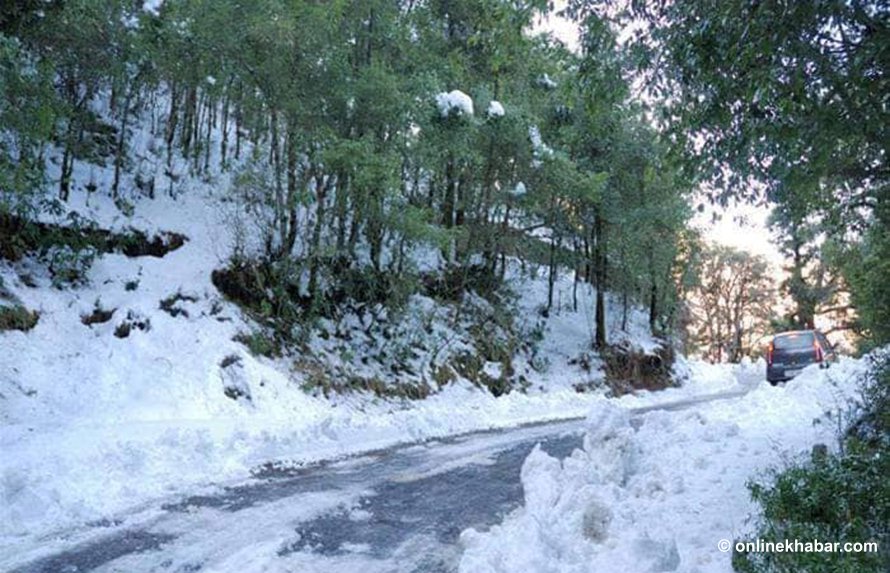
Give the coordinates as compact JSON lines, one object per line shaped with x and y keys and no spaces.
{"x":171,"y":305}
{"x":259,"y":344}
{"x":628,"y":369}
{"x":133,"y":321}
{"x":98,"y":316}
{"x":842,"y":497}
{"x":451,"y":284}
{"x":17,"y":317}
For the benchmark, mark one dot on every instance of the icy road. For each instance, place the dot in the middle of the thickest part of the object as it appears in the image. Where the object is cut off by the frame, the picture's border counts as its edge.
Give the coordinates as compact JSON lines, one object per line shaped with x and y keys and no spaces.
{"x":401,"y":509}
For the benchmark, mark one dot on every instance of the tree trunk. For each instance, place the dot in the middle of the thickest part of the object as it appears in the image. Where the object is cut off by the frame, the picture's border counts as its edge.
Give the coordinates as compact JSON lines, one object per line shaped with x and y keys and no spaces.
{"x":450,"y":195}
{"x":67,"y":170}
{"x":599,"y":249}
{"x":653,"y":307}
{"x":224,"y":125}
{"x":292,"y":201}
{"x":170,"y":130}
{"x":280,"y":208}
{"x":121,"y":140}
{"x":577,"y":277}
{"x":315,"y":244}
{"x":624,"y":305}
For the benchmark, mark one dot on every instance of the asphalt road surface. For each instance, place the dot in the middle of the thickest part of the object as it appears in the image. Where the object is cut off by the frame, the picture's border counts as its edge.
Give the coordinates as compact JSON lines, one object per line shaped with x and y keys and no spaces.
{"x":396,"y":510}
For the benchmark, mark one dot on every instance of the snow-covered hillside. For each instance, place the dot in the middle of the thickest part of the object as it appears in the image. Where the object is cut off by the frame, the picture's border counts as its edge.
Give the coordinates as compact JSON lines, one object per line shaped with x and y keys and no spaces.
{"x":661,"y":494}
{"x":131,"y":386}
{"x":93,"y":423}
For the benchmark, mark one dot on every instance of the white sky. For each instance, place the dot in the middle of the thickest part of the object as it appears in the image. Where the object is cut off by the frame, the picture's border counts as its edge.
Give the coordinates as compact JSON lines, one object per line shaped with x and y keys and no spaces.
{"x":740,"y":226}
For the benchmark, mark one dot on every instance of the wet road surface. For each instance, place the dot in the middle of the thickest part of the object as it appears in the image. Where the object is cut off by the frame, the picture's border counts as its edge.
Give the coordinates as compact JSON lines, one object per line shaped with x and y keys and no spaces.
{"x":396,"y":510}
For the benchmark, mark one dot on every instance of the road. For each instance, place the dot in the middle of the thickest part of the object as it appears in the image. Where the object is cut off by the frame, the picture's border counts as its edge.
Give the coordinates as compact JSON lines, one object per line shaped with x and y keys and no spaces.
{"x":395,"y":510}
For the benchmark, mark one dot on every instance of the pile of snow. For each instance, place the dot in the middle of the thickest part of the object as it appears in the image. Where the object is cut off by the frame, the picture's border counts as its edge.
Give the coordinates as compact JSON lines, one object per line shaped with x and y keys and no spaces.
{"x":454,"y":101}
{"x":495,"y":109}
{"x":658,"y":497}
{"x":152,"y":6}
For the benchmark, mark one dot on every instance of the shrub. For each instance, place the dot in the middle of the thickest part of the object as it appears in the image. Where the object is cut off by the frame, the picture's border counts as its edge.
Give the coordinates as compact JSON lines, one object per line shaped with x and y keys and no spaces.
{"x":843,"y":497}
{"x":171,"y":306}
{"x":134,"y":320}
{"x":98,"y":316}
{"x":68,"y":265}
{"x":17,"y":317}
{"x":628,"y":369}
{"x":259,"y":343}
{"x":451,"y":284}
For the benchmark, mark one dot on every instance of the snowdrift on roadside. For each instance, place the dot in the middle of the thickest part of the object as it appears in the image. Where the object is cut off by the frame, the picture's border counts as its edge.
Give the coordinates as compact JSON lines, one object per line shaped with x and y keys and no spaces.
{"x":658,"y":497}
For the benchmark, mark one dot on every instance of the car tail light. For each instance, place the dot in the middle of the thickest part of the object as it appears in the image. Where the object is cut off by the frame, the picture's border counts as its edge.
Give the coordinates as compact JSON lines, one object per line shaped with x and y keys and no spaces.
{"x":818,"y":351}
{"x":769,"y":354}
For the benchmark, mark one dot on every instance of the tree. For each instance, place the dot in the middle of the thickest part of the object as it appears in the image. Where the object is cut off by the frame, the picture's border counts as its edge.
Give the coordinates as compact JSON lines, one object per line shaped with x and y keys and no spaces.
{"x":732,"y":304}
{"x":780,"y":101}
{"x":27,"y":113}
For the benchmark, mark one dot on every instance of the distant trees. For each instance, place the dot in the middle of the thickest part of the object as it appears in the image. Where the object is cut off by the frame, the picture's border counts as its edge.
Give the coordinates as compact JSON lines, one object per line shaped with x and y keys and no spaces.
{"x":733,"y":303}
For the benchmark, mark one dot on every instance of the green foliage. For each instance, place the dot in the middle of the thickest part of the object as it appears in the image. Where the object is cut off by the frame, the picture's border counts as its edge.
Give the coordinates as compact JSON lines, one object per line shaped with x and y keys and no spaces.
{"x":866,"y":266}
{"x":796,"y":102}
{"x":345,"y":167}
{"x":259,"y":343}
{"x":786,"y":102}
{"x":26,"y":116}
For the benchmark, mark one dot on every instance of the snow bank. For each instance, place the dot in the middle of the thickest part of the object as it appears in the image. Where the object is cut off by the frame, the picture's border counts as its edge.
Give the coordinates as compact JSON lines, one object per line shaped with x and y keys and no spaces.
{"x":454,"y":101}
{"x":660,"y":497}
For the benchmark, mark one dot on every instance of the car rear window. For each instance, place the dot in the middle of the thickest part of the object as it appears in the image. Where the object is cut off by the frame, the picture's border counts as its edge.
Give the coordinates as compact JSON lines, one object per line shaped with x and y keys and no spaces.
{"x":795,"y":340}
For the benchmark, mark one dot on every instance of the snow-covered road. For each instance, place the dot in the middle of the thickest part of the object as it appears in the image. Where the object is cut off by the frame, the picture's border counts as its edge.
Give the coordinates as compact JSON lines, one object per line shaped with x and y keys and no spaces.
{"x":401,"y":509}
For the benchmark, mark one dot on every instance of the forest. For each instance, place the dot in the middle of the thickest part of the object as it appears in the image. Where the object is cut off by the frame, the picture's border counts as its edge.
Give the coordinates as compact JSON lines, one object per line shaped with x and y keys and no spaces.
{"x":353,"y":136}
{"x":358,"y":132}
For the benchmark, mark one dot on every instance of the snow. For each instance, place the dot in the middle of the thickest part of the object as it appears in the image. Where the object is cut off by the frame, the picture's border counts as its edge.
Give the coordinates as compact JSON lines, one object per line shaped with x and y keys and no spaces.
{"x":495,"y":109}
{"x":153,"y":6}
{"x":93,"y":426}
{"x":540,"y":148}
{"x":658,"y":497}
{"x":454,"y":101}
{"x":547,"y":82}
{"x":518,"y":191}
